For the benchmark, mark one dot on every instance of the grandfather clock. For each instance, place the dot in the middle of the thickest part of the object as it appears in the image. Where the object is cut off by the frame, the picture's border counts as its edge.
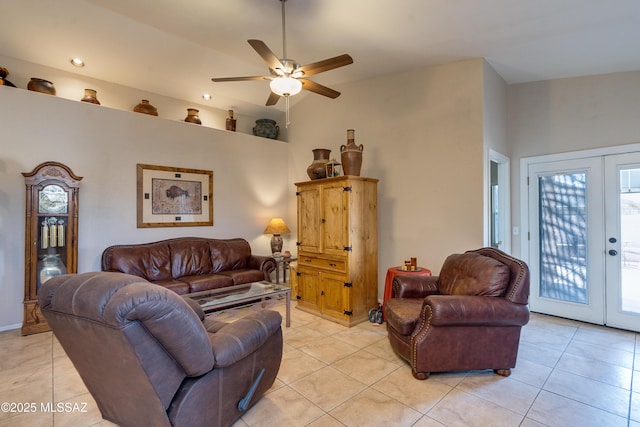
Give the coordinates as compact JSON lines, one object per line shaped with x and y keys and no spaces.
{"x":51,"y":234}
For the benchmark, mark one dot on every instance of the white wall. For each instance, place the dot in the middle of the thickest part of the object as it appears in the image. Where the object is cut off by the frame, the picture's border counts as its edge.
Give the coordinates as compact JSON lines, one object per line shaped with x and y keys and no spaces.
{"x":572,"y":114}
{"x":103,"y":145}
{"x":423,"y":139}
{"x":495,"y":111}
{"x":495,"y":139}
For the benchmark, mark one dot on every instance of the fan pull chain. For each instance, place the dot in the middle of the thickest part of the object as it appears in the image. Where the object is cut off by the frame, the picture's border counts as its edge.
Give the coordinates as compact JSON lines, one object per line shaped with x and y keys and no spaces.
{"x":287,"y":122}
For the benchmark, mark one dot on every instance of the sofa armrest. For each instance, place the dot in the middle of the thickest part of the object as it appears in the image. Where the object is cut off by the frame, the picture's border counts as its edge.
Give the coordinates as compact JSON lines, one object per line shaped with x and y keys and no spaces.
{"x":412,"y":286}
{"x":464,"y":310}
{"x":241,"y":338}
{"x":264,"y":263}
{"x":196,"y":308}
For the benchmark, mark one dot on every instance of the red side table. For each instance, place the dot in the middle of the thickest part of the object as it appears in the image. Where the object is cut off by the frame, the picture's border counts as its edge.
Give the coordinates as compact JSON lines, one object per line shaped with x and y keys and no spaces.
{"x":388,"y":282}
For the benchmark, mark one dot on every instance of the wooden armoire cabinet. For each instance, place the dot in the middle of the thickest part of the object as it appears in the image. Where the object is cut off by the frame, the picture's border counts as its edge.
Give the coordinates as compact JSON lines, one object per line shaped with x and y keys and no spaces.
{"x":51,"y":234}
{"x":337,"y":273}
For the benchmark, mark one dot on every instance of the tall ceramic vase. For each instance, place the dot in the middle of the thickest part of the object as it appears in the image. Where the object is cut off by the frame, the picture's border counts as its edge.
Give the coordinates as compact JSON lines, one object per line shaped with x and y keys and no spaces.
{"x":317,"y":169}
{"x":351,"y":155}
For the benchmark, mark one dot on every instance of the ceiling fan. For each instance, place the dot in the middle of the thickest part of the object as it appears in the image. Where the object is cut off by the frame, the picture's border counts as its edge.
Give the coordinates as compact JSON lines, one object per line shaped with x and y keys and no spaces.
{"x":287,"y":76}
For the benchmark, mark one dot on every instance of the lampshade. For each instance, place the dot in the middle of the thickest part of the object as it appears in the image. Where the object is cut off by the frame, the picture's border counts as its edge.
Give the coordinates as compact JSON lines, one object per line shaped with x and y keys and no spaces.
{"x":285,"y":86}
{"x":276,"y":226}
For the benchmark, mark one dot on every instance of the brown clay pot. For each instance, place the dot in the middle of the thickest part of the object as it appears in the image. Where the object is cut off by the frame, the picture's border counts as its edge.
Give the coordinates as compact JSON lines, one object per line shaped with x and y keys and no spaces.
{"x":41,"y":85}
{"x":145,"y":108}
{"x":192,"y":116}
{"x":90,"y":97}
{"x":230,"y":123}
{"x":317,"y":169}
{"x":351,"y":155}
{"x":3,"y":78}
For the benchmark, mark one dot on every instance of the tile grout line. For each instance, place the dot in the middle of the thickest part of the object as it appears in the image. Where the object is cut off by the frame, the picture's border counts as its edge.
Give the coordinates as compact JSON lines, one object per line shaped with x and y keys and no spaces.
{"x":633,"y":367}
{"x":53,"y":383}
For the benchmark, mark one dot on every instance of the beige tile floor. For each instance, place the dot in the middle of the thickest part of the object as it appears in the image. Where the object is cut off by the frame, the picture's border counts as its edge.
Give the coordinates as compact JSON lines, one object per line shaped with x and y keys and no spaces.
{"x":568,"y":374}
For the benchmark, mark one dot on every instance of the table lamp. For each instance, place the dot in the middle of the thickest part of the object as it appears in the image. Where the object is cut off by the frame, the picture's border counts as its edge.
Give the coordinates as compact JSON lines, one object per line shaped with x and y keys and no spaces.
{"x":276,"y":227}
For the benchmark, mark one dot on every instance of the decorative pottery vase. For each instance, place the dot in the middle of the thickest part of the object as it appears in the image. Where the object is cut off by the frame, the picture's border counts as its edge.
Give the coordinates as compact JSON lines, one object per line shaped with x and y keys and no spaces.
{"x":41,"y":85}
{"x":266,"y":128}
{"x":90,"y":97}
{"x":3,"y":78}
{"x":351,"y":155}
{"x":192,"y":116}
{"x":230,"y":123}
{"x":317,"y":169}
{"x":145,"y":108}
{"x":52,"y":266}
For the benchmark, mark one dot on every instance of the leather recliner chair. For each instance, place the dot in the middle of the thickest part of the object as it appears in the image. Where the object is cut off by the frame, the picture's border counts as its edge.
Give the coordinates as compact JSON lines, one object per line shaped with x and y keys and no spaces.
{"x":150,"y":358}
{"x":467,"y":318}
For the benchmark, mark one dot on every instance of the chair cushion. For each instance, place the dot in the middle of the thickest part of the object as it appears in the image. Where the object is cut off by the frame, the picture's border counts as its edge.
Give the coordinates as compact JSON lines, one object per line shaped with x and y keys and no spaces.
{"x":402,"y":314}
{"x":473,"y":274}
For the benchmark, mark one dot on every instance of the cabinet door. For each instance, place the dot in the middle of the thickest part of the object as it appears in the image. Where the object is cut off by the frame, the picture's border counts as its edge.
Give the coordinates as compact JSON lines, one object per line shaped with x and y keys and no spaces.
{"x":334,"y":218}
{"x":334,"y":296}
{"x":309,"y":218}
{"x":308,"y":290}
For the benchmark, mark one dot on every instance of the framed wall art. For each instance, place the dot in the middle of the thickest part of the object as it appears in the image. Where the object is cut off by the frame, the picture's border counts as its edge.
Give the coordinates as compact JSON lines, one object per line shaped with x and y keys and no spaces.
{"x":174,"y":197}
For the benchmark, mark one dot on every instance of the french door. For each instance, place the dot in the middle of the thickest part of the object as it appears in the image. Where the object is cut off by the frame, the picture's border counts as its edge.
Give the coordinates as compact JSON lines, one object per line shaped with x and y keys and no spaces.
{"x":584,"y":243}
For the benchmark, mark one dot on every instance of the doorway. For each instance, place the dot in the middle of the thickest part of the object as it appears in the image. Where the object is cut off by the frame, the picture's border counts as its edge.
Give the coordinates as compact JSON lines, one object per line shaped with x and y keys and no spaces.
{"x":584,"y":238}
{"x":499,"y":205}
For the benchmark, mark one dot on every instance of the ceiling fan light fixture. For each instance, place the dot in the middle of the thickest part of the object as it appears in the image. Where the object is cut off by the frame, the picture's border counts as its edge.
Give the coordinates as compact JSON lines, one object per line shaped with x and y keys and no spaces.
{"x":285,"y":86}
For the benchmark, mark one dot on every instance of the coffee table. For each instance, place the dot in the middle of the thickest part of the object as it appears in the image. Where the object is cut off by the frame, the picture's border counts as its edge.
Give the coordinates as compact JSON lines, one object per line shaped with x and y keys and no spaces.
{"x":242,"y":296}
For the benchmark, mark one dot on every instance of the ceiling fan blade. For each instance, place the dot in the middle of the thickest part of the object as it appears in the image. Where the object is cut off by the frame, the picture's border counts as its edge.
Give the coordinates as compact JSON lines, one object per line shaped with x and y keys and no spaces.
{"x":269,"y":57}
{"x":319,"y":89}
{"x":326,"y":65}
{"x":239,"y":79}
{"x":273,"y":99}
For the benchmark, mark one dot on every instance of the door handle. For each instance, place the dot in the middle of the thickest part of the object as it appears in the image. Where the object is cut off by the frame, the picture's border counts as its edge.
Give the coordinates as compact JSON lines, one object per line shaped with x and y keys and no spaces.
{"x":613,"y":252}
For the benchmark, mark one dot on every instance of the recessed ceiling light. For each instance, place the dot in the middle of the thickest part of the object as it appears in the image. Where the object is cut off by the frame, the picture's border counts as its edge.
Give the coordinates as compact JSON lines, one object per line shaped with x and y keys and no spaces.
{"x":206,"y":96}
{"x":77,"y":62}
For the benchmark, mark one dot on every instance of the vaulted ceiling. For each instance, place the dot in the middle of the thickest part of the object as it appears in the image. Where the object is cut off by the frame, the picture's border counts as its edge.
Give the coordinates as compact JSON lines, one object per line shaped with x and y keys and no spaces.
{"x":174,"y":47}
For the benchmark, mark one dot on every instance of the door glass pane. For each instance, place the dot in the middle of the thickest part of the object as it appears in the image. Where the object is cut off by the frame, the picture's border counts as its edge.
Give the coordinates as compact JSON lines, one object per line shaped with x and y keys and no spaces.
{"x":630,"y":239}
{"x":563,"y":236}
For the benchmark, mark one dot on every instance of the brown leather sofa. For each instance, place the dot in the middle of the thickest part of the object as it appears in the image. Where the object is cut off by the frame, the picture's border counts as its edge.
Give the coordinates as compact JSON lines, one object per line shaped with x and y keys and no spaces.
{"x":467,"y":318}
{"x":150,"y":358}
{"x":190,"y":264}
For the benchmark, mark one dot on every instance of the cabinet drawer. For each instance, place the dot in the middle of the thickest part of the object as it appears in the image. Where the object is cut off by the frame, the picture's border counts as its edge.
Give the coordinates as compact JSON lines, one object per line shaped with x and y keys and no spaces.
{"x":325,"y":263}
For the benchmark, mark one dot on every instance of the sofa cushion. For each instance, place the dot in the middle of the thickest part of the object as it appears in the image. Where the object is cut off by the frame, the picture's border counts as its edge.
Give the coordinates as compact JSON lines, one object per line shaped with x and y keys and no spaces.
{"x":176,"y":286}
{"x":403,"y":314}
{"x":473,"y":274}
{"x":244,"y":275}
{"x":230,"y":254}
{"x":150,"y":261}
{"x":190,"y":257}
{"x":204,"y":282}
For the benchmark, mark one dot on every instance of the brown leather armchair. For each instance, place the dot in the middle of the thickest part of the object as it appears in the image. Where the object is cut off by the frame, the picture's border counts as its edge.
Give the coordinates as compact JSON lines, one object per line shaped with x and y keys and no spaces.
{"x":467,"y":318}
{"x":150,"y":358}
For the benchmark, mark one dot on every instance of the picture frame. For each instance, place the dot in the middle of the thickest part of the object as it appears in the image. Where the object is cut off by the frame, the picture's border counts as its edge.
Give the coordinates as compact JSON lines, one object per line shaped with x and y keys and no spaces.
{"x":173,"y":197}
